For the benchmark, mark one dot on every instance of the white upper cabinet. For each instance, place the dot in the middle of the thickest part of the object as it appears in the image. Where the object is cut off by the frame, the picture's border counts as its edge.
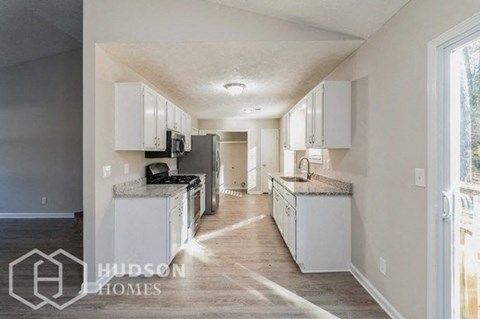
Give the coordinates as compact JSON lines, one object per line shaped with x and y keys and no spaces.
{"x":171,"y":116}
{"x":328,"y":123}
{"x":138,"y":118}
{"x":142,"y":118}
{"x":149,"y":119}
{"x":297,"y":126}
{"x":286,"y":131}
{"x":188,"y":134}
{"x":178,"y":119}
{"x":161,"y":122}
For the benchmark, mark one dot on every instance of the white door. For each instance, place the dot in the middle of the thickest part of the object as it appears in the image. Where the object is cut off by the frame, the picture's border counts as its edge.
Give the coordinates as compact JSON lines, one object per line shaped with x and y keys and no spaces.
{"x":460,"y":176}
{"x":149,"y":119}
{"x":269,"y":155}
{"x":161,"y":123}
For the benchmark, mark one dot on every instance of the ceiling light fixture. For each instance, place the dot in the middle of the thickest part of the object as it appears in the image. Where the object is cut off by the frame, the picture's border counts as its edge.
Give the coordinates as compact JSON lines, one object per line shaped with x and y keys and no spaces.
{"x":248,"y":110}
{"x":235,"y":89}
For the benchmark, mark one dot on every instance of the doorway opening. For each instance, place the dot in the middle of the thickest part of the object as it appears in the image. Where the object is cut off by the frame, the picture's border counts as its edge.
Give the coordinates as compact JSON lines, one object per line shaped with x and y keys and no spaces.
{"x":233,"y":149}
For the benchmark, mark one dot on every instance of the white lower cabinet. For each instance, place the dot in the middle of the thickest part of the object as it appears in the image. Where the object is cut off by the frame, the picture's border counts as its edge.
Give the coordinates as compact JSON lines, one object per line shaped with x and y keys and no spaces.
{"x":315,"y":228}
{"x":149,"y":230}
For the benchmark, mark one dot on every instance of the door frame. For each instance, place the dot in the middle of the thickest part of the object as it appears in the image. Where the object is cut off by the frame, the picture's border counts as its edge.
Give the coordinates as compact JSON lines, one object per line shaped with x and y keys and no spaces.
{"x":437,"y":113}
{"x":262,"y":154}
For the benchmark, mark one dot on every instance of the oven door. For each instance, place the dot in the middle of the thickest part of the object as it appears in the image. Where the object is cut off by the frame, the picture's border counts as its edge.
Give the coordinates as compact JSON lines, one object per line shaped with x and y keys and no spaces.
{"x":194,"y":211}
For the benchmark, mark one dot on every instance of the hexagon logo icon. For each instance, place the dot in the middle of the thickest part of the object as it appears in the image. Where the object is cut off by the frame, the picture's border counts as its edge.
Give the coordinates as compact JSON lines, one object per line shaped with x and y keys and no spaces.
{"x":47,"y":272}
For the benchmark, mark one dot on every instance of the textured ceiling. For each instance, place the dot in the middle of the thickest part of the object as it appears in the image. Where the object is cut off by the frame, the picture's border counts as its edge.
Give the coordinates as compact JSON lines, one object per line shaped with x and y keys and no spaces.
{"x":355,"y":17}
{"x":31,"y":29}
{"x":277,"y":74}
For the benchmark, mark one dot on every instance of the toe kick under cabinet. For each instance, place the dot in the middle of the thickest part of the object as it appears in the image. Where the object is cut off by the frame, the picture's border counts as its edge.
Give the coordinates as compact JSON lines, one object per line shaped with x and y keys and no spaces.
{"x":315,"y":228}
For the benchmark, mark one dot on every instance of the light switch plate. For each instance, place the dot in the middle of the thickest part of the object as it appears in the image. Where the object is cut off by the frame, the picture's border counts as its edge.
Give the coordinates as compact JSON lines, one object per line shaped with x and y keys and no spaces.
{"x":126,"y":169}
{"x":107,"y":171}
{"x":420,"y":179}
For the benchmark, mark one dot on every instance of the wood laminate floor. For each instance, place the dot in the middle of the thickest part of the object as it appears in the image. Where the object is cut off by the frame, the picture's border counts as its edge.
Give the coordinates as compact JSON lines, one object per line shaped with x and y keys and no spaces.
{"x":238,"y":267}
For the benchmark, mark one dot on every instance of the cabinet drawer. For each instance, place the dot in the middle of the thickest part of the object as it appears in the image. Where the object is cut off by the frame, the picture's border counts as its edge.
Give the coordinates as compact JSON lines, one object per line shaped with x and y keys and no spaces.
{"x":290,"y":198}
{"x":177,"y":199}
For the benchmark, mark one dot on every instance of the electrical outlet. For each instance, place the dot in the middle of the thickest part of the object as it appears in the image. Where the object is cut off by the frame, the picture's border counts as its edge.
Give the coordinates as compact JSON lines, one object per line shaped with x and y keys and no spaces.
{"x":126,"y":169}
{"x":420,"y":179}
{"x":44,"y":200}
{"x":107,"y":171}
{"x":383,"y":266}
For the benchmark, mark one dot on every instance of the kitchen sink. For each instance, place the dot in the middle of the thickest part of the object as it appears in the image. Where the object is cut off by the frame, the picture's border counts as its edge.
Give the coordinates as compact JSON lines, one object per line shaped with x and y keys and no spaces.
{"x":294,"y":179}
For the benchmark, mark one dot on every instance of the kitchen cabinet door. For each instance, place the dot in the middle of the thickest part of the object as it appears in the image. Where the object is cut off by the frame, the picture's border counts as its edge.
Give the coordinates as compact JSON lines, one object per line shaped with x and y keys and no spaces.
{"x":183,"y":210}
{"x":318,"y":118}
{"x":309,"y":133}
{"x":174,"y":232}
{"x":286,"y":131}
{"x":178,"y":119}
{"x":188,"y":134}
{"x":202,"y":199}
{"x":161,"y":123}
{"x":149,"y":119}
{"x":171,"y":116}
{"x":285,"y":227}
{"x":292,"y":230}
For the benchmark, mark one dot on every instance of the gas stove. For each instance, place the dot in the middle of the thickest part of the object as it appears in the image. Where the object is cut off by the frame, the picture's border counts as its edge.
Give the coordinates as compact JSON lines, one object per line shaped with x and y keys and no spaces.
{"x":158,"y":174}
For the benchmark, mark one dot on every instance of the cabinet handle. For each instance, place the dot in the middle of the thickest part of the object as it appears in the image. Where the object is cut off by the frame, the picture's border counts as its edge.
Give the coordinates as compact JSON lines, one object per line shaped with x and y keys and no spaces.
{"x":313,"y":139}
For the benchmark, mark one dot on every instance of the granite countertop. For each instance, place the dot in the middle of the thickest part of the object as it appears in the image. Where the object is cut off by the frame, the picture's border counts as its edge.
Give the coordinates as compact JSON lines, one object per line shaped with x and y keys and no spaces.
{"x":139,"y":188}
{"x":318,"y":185}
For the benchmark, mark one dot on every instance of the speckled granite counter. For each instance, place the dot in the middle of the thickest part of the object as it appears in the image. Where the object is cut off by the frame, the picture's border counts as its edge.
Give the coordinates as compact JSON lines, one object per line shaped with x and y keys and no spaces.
{"x":138,"y":188}
{"x":318,"y":185}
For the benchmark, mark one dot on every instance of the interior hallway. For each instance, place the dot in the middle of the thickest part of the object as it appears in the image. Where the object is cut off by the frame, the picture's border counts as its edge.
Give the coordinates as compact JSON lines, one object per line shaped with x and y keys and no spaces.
{"x":238,"y":267}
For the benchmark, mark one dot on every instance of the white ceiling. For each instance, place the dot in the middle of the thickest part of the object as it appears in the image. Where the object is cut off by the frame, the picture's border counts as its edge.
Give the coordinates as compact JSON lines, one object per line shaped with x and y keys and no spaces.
{"x":31,"y":29}
{"x":354,"y":17}
{"x":277,"y":74}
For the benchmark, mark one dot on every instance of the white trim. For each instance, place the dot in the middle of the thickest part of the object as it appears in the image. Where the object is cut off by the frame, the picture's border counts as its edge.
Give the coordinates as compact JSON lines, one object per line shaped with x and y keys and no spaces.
{"x":255,"y":192}
{"x":435,"y":162}
{"x":234,"y":188}
{"x":379,"y":298}
{"x":35,"y":215}
{"x":94,"y":287}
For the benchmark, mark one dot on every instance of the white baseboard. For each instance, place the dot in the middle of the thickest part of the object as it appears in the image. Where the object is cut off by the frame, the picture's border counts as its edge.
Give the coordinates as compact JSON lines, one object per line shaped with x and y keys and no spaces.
{"x":255,"y":192}
{"x":94,"y":287}
{"x":36,"y":215}
{"x":235,"y":188}
{"x":382,"y":301}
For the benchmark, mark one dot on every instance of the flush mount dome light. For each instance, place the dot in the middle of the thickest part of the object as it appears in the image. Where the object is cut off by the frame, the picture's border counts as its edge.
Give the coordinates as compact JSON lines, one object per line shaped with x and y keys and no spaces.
{"x":235,"y":89}
{"x":248,"y":110}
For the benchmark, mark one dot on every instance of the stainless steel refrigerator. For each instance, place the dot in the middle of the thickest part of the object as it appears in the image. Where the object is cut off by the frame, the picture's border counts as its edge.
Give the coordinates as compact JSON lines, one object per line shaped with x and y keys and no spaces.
{"x":204,"y":158}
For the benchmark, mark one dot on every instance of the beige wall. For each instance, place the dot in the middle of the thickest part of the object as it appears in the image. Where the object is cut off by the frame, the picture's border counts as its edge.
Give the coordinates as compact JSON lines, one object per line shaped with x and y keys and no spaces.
{"x":233,"y":168}
{"x":389,"y":131}
{"x":107,"y":72}
{"x":41,"y":135}
{"x":254,"y":128}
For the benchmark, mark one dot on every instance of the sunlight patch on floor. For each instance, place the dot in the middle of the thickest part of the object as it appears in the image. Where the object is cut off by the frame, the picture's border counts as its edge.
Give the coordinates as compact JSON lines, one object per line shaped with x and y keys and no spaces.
{"x":294,"y":299}
{"x":231,"y":192}
{"x":228,"y":229}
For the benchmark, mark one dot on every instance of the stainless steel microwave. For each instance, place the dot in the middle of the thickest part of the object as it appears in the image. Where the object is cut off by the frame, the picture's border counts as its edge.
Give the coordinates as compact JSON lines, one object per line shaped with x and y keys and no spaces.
{"x":175,"y":147}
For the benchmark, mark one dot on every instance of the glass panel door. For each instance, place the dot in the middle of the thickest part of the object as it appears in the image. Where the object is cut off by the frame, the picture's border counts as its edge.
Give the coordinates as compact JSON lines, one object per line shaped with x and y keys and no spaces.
{"x":463,"y":226}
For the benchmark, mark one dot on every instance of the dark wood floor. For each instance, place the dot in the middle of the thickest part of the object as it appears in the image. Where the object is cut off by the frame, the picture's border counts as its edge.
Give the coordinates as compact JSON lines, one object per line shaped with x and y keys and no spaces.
{"x":237,"y":268}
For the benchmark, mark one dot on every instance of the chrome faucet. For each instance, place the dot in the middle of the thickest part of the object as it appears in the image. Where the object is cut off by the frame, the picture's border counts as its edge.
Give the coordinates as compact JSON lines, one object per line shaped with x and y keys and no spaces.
{"x":309,"y":175}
